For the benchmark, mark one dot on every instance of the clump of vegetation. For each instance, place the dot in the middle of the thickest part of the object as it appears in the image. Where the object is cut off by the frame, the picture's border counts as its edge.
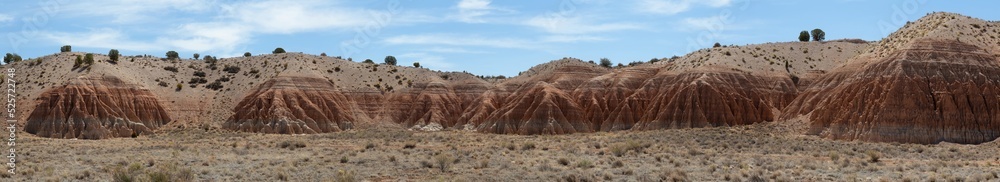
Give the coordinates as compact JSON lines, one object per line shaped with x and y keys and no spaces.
{"x":444,"y":161}
{"x":528,"y":146}
{"x":368,"y":61}
{"x":197,"y":81}
{"x":585,"y":164}
{"x":199,"y":73}
{"x":179,"y":87}
{"x":818,"y":35}
{"x":231,"y":69}
{"x":605,"y":62}
{"x":11,"y":58}
{"x":173,"y":55}
{"x":416,"y":64}
{"x":291,"y":145}
{"x":276,"y":51}
{"x":247,"y":54}
{"x":216,"y":85}
{"x":631,"y":145}
{"x":873,"y":156}
{"x":66,"y":48}
{"x":804,"y":36}
{"x":390,"y":60}
{"x":113,"y":55}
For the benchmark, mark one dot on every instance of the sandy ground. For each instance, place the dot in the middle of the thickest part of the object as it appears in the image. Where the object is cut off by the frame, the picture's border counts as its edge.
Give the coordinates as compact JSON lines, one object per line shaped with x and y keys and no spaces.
{"x":746,"y":153}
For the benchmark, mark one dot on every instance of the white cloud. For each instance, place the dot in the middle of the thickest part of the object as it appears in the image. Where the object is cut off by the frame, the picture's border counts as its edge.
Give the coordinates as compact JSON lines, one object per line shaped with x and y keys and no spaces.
{"x":670,"y":7}
{"x":572,"y":38}
{"x":101,"y":38}
{"x":221,"y":38}
{"x":132,"y":11}
{"x":459,"y":40}
{"x":283,"y":17}
{"x":427,"y":60}
{"x":452,"y":50}
{"x":575,"y":25}
{"x":5,"y":18}
{"x":470,"y":11}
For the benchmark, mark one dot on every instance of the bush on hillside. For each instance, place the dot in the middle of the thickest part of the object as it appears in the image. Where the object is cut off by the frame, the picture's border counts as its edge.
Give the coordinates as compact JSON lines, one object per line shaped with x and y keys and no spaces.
{"x":804,"y":36}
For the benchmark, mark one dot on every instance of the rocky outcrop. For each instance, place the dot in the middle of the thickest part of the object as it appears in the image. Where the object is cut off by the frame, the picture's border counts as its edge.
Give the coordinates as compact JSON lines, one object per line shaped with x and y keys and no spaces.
{"x":602,"y":95}
{"x":706,"y":99}
{"x":93,"y":107}
{"x":540,"y":108}
{"x":936,"y":90}
{"x":294,"y":105}
{"x":424,"y":104}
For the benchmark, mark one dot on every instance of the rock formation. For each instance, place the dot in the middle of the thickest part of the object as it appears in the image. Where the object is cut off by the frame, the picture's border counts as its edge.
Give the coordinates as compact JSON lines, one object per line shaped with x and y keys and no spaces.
{"x":602,"y":95}
{"x":540,"y":108}
{"x":424,"y":104}
{"x":92,"y":107}
{"x":293,"y":105}
{"x":934,"y":90}
{"x":705,"y":99}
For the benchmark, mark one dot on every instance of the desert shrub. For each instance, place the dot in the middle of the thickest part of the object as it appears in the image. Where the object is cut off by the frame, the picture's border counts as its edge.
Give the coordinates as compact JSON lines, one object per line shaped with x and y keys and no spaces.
{"x":873,"y":156}
{"x":88,"y":59}
{"x":605,"y":62}
{"x":291,"y":145}
{"x":196,"y":56}
{"x":322,"y":54}
{"x":247,"y":54}
{"x":409,"y":145}
{"x":804,"y":36}
{"x":216,"y":86}
{"x":199,"y":73}
{"x":585,"y":164}
{"x":231,"y":69}
{"x":11,"y":58}
{"x":563,"y":161}
{"x":528,"y":146}
{"x":278,"y":50}
{"x":444,"y":161}
{"x":337,"y":69}
{"x":716,"y":45}
{"x":369,"y":61}
{"x":170,"y":68}
{"x":343,"y":159}
{"x":66,"y":48}
{"x":179,"y":87}
{"x":818,"y":35}
{"x":197,"y":81}
{"x":172,"y":55}
{"x":163,"y":84}
{"x":223,"y":79}
{"x":416,"y":64}
{"x":345,"y":176}
{"x":390,"y":60}
{"x":113,"y":55}
{"x":79,"y":61}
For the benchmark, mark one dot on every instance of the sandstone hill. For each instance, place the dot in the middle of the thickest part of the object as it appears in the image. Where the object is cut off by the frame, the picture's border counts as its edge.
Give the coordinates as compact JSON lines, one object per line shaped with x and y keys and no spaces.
{"x":935,"y":80}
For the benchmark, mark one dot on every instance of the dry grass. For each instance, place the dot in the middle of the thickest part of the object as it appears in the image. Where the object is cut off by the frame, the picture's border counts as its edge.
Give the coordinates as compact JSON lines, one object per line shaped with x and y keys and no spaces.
{"x":745,"y":153}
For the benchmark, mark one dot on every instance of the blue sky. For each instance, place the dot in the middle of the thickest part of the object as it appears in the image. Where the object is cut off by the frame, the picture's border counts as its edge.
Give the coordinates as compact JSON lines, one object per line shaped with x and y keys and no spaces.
{"x":480,"y":36}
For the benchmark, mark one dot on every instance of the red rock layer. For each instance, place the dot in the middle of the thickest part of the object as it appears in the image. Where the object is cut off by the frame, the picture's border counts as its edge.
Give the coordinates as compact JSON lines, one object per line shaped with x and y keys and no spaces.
{"x":537,"y":109}
{"x":423,"y":104}
{"x":96,"y":108}
{"x":294,"y":105}
{"x":601,"y":96}
{"x":705,"y":99}
{"x":934,"y":91}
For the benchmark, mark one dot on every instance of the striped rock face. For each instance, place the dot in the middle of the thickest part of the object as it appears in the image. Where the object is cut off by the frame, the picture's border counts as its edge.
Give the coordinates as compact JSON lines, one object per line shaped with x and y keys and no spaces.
{"x":295,"y":105}
{"x":96,"y":108}
{"x":935,"y":90}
